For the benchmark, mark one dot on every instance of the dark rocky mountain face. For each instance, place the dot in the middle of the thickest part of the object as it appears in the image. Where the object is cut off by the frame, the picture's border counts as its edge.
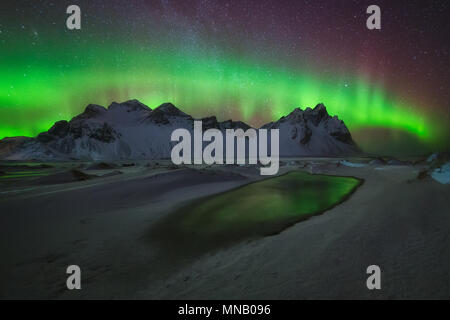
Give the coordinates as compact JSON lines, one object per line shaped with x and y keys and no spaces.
{"x":313,"y":132}
{"x":75,"y":130}
{"x":90,"y":112}
{"x":132,"y":130}
{"x":132,"y":105}
{"x":104,"y":134}
{"x":212,"y":123}
{"x":9,"y":146}
{"x":163,"y":113}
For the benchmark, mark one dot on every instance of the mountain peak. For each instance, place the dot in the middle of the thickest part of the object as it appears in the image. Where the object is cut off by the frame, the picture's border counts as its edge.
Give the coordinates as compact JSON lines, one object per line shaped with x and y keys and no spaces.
{"x":320,"y":108}
{"x":165,"y":112}
{"x":169,"y":109}
{"x":91,"y":111}
{"x":136,"y":104}
{"x":130,"y":105}
{"x":318,"y":114}
{"x":296,"y":113}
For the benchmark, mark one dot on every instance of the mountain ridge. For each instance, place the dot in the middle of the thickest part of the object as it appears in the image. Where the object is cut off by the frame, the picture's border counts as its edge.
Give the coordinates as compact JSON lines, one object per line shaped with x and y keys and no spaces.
{"x":132,"y":130}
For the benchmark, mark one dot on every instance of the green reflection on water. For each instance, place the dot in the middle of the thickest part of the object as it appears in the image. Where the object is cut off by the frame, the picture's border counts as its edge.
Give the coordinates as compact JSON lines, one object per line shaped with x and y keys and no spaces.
{"x":22,"y":174}
{"x":269,"y":204}
{"x":252,"y":211}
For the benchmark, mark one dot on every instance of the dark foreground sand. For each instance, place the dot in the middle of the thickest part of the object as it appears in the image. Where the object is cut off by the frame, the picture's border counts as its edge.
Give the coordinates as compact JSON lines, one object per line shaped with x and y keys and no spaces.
{"x":394,"y":220}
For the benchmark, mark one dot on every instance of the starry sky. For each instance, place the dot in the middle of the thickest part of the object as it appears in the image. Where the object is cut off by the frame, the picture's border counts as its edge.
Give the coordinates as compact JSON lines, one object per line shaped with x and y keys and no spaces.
{"x":250,"y":60}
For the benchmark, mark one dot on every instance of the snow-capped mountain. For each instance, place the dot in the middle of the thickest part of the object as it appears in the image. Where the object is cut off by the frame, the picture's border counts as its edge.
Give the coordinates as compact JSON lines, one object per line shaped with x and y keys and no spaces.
{"x":313,"y":132}
{"x":131,"y":130}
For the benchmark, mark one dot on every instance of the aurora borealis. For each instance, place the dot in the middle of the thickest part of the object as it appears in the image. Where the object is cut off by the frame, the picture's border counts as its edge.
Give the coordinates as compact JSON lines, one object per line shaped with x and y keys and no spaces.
{"x":249,"y":60}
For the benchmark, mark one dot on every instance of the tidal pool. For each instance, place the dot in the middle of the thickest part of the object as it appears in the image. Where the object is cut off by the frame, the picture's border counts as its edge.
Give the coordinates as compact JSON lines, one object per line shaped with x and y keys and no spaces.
{"x":254,"y":210}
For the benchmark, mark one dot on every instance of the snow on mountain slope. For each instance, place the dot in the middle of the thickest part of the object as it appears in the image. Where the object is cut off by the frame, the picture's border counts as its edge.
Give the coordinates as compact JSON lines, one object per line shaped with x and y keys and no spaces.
{"x":313,"y":132}
{"x":131,"y":130}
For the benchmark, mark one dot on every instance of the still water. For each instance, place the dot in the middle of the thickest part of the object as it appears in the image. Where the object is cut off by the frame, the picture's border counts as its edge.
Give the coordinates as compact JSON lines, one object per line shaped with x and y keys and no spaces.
{"x":252,"y":211}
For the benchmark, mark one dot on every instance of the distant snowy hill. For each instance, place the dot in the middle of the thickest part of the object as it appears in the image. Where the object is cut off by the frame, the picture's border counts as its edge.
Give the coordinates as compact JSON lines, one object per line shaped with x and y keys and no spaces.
{"x":131,"y":130}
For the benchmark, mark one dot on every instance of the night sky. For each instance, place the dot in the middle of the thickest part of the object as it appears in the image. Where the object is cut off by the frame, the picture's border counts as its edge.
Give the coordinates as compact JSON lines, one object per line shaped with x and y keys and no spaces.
{"x":247,"y":60}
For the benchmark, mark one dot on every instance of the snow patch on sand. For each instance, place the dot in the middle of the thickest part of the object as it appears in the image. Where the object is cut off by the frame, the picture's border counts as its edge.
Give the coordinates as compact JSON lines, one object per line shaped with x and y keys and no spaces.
{"x":352,"y":164}
{"x":442,"y":175}
{"x":432,"y":158}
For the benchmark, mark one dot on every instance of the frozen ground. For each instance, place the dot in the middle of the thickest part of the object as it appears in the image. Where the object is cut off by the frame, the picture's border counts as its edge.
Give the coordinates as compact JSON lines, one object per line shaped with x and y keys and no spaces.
{"x":442,"y":175}
{"x":395,"y":220}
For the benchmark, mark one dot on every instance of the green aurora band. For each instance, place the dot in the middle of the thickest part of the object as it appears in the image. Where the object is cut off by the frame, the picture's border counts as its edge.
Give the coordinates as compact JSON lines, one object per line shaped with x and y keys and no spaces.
{"x":55,"y":82}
